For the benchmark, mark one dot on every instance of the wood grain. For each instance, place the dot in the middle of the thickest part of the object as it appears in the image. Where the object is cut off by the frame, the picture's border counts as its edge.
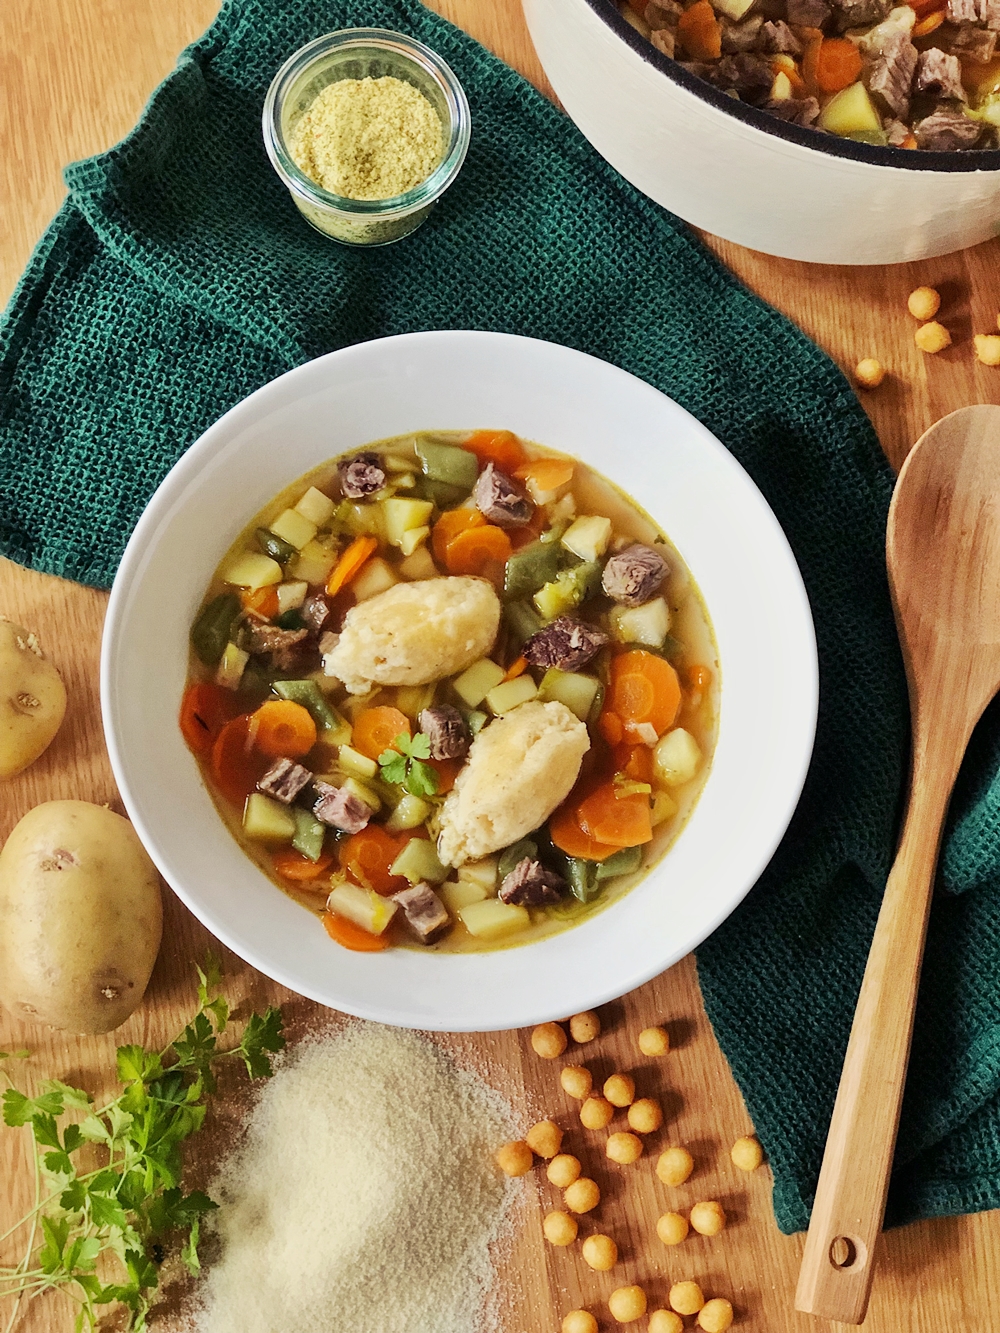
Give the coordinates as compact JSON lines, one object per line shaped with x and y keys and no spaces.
{"x":74,"y":75}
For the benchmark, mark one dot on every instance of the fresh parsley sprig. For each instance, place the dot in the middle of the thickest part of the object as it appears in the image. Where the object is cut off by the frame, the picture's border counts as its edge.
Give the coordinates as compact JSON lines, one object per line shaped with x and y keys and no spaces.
{"x":404,"y":764}
{"x":136,"y":1197}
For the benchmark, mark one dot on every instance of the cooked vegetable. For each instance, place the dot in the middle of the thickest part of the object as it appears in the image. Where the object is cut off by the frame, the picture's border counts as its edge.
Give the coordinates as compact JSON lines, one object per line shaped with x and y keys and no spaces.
{"x":293,"y":865}
{"x":851,"y":114}
{"x":32,"y":699}
{"x":352,"y":936}
{"x":316,"y":507}
{"x":283,"y":729}
{"x":376,"y":729}
{"x":251,"y":570}
{"x":530,"y":568}
{"x":509,"y":694}
{"x":588,"y":536}
{"x":229,"y":672}
{"x":268,"y":821}
{"x":294,"y":529}
{"x":214,"y":626}
{"x":475,"y":549}
{"x":676,"y":758}
{"x":569,"y":837}
{"x":351,"y":562}
{"x":699,"y":32}
{"x":501,"y":447}
{"x":445,"y":462}
{"x":367,"y":909}
{"x":458,"y":894}
{"x":374,"y":577}
{"x":276,"y":547}
{"x":493,"y":920}
{"x":576,"y":691}
{"x":567,"y":590}
{"x":307,"y":693}
{"x":309,"y":835}
{"x":403,"y":516}
{"x":237,"y":765}
{"x":418,"y":860}
{"x":205,"y":710}
{"x":645,"y":692}
{"x":613,"y":818}
{"x":314,"y":563}
{"x":410,"y":813}
{"x":354,"y":762}
{"x":648,"y":624}
{"x":368,"y":856}
{"x":473,"y":685}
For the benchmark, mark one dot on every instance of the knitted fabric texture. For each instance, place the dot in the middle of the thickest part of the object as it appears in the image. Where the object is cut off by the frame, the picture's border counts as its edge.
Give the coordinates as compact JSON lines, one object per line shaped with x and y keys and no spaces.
{"x":179,"y":276}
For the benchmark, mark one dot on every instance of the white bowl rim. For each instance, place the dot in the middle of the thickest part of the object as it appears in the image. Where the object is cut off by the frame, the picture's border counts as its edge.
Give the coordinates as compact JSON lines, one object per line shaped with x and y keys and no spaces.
{"x":520,"y":1007}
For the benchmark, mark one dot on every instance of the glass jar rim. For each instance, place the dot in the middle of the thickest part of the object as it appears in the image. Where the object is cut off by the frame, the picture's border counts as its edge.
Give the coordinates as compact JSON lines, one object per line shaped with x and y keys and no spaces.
{"x":408,"y":48}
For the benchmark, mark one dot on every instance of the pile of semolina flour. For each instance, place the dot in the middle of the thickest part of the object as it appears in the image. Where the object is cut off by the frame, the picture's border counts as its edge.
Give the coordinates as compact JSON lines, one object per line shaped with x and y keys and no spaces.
{"x":365,"y":1197}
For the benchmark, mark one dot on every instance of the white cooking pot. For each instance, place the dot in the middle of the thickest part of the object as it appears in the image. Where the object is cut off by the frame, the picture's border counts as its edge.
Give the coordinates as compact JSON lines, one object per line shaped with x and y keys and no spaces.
{"x":742,"y":173}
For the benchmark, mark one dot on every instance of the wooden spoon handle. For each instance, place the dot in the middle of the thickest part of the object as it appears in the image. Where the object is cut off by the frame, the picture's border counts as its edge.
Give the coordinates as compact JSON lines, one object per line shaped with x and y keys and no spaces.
{"x":837,"y":1264}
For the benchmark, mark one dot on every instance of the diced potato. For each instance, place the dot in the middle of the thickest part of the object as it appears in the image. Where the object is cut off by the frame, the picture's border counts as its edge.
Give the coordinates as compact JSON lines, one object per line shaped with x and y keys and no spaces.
{"x":398,"y":463}
{"x":492,"y":919}
{"x":364,"y":793}
{"x":419,"y":565}
{"x":268,"y":821}
{"x":314,"y":563}
{"x":456,"y":896}
{"x":413,"y":699}
{"x":291,"y":595}
{"x":502,"y":698}
{"x":362,"y":906}
{"x":482,"y":872}
{"x":294,"y":528}
{"x":340,"y":732}
{"x":648,"y":624}
{"x":850,"y":112}
{"x":664,"y":807}
{"x":476,"y":681}
{"x":363,"y":518}
{"x":376,"y":576}
{"x":229,"y":672}
{"x":418,"y":860}
{"x":315,"y":506}
{"x":676,"y":758}
{"x":562,"y":511}
{"x":252,"y":570}
{"x":413,"y":539}
{"x":733,"y":9}
{"x":588,"y":537}
{"x":571,"y":688}
{"x":404,"y":481}
{"x":402,"y":515}
{"x":410,"y":813}
{"x":567,"y":590}
{"x":355,"y":763}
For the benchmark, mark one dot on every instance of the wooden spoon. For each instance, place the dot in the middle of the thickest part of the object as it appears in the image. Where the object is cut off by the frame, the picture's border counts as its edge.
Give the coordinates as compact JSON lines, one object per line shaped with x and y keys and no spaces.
{"x":943,"y":554}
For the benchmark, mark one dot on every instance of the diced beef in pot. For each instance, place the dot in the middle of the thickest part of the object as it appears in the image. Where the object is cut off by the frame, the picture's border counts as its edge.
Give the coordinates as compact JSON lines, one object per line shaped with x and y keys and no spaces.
{"x":273,"y":639}
{"x":741,"y":36}
{"x":341,"y":809}
{"x":796,"y":110}
{"x":529,"y":884}
{"x":939,"y":75}
{"x":961,"y":11}
{"x":315,"y":611}
{"x":632,"y":576}
{"x":778,"y":39}
{"x":976,"y":44}
{"x":425,"y":913}
{"x":499,"y":499}
{"x":859,"y":13}
{"x":948,"y":131}
{"x":361,"y":475}
{"x":749,"y":75}
{"x":284,"y":780}
{"x":567,"y":643}
{"x":663,"y":14}
{"x":807,"y":13}
{"x":445,"y":728}
{"x":989,"y":13}
{"x":890,"y":74}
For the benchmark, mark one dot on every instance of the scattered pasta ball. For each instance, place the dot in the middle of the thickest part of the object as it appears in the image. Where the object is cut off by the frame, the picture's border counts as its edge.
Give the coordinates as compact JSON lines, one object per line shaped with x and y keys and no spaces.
{"x":674,"y":1165}
{"x":585,"y":1027}
{"x":577,"y":1081}
{"x":596,"y":1113}
{"x":708,"y":1218}
{"x":600,"y":1252}
{"x":582,"y":1196}
{"x":560,"y":1228}
{"x":645,"y":1116}
{"x":627,"y":1303}
{"x":620,"y":1089}
{"x":933,"y":337}
{"x":686,"y":1297}
{"x":923,"y":303}
{"x":579,"y":1321}
{"x":987,"y":347}
{"x":665,"y":1321}
{"x":545,"y":1138}
{"x":747,"y":1154}
{"x":672,"y":1228}
{"x":715,"y":1316}
{"x":514,"y":1159}
{"x":869,"y":373}
{"x":549,"y":1041}
{"x":654,"y":1041}
{"x":563,"y":1170}
{"x":624,"y":1148}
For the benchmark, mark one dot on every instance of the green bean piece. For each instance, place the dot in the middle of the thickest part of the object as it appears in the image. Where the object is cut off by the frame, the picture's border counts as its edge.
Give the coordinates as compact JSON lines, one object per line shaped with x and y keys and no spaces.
{"x":530,"y":568}
{"x":582,"y":876}
{"x":443,"y":495}
{"x":307,"y":693}
{"x":276,"y":547}
{"x":210,"y":632}
{"x":620,"y":863}
{"x":290,"y":619}
{"x":309,"y":834}
{"x":475,"y":720}
{"x":522,"y":620}
{"x":448,"y":463}
{"x":514,"y":855}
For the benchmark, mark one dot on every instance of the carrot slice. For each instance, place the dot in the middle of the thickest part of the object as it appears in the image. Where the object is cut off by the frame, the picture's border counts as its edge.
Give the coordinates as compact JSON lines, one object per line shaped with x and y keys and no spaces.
{"x":611,"y":727}
{"x":473,"y":550}
{"x":262,"y":600}
{"x":929,"y":24}
{"x":350,"y":562}
{"x":237,"y":765}
{"x":205,"y":710}
{"x":447,"y":771}
{"x":549,"y":474}
{"x":569,"y":837}
{"x":516,"y":669}
{"x":376,"y":729}
{"x":500,"y":447}
{"x":635,"y":761}
{"x":644,"y":690}
{"x":448,"y":527}
{"x":367,"y":856}
{"x":813,"y":39}
{"x":351,"y":936}
{"x":614,"y":819}
{"x":699,"y":677}
{"x":699,"y":32}
{"x":293,"y":865}
{"x":838,"y":64}
{"x":285,"y":730}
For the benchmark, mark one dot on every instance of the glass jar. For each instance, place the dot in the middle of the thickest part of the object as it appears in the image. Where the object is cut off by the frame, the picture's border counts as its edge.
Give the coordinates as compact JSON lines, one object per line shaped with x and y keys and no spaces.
{"x":358,"y":53}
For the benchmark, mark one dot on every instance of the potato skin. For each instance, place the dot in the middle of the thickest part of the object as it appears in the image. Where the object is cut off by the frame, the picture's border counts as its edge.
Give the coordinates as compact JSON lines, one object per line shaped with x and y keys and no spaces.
{"x":32,"y":699}
{"x":80,"y":918}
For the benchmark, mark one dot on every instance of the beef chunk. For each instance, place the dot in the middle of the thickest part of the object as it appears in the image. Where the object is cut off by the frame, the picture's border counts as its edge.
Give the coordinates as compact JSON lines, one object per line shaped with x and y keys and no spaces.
{"x":315,"y":611}
{"x":989,"y":13}
{"x":529,"y":884}
{"x":778,"y":39}
{"x":633,"y":576}
{"x":947,"y":131}
{"x":977,"y":44}
{"x":445,"y":727}
{"x":939,"y":75}
{"x":425,"y":913}
{"x":890,"y":74}
{"x":897,"y":132}
{"x":361,"y":475}
{"x":284,"y":780}
{"x":808,"y":13}
{"x":744,"y":36}
{"x":748,"y":75}
{"x":340,"y":809}
{"x":500,"y":500}
{"x":796,"y":110}
{"x":567,"y":643}
{"x":961,"y":11}
{"x":663,"y":14}
{"x":859,"y":13}
{"x":274,"y":639}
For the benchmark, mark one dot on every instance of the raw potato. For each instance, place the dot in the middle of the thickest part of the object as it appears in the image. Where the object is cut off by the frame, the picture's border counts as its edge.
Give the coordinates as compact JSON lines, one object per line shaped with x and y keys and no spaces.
{"x":32,"y":699}
{"x":82,"y":917}
{"x":414,"y":633}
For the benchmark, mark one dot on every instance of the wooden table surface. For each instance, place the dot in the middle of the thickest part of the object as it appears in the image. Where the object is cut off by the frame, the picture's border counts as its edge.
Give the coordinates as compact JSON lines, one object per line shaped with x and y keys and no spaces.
{"x":74,"y":75}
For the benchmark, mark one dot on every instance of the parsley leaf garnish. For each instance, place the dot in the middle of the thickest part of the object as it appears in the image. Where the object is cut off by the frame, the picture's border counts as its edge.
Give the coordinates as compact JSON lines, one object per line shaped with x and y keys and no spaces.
{"x":404,"y":765}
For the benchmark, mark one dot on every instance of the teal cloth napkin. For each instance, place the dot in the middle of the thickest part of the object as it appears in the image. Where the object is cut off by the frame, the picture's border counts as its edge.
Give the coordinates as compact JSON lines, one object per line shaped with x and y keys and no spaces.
{"x":178,"y":277}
